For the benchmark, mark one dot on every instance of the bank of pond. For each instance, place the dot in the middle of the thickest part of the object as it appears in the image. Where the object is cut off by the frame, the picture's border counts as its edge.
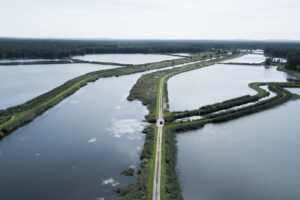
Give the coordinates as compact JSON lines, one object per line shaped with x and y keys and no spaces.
{"x":80,"y":148}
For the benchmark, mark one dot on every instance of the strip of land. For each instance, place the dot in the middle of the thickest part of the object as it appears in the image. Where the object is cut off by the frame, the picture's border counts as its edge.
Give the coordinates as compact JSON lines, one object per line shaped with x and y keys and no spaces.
{"x":216,"y":113}
{"x":17,"y":116}
{"x":150,"y":89}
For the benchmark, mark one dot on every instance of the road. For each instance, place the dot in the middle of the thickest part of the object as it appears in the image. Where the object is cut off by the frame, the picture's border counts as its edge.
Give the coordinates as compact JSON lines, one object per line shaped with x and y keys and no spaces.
{"x":159,"y":124}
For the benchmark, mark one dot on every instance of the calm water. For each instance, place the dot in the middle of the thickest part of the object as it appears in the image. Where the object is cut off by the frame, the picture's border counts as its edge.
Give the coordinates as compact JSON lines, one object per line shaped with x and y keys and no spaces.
{"x":25,"y":60}
{"x":215,"y":84}
{"x":294,"y":90}
{"x":24,"y":82}
{"x":249,"y":58}
{"x":127,"y":58}
{"x":78,"y":149}
{"x":255,"y":157}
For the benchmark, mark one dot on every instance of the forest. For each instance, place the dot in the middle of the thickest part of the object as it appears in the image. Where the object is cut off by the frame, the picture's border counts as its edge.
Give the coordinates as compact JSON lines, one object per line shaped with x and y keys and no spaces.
{"x":12,"y":48}
{"x":291,"y":53}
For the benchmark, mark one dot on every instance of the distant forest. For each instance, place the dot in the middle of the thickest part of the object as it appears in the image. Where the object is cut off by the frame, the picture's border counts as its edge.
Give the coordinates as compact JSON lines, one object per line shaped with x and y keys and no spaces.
{"x":12,"y":48}
{"x":291,"y":53}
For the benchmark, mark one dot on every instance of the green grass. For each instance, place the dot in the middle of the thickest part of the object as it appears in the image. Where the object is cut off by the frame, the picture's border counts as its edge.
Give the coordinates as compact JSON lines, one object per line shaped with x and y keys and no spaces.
{"x":163,"y":193}
{"x":152,"y":167}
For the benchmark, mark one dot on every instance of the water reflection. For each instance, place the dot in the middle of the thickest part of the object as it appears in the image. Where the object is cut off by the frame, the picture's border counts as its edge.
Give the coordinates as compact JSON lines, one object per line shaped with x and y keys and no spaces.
{"x":255,"y":157}
{"x":127,"y":58}
{"x":216,"y":83}
{"x":24,"y":82}
{"x":78,"y":149}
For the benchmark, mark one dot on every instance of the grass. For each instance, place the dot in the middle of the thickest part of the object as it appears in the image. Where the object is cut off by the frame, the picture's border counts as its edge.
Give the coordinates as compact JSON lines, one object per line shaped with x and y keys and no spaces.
{"x":152,"y":167}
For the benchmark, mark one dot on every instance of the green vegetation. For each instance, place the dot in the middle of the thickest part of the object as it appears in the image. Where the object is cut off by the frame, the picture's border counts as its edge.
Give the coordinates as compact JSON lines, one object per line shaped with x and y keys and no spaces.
{"x":59,"y":48}
{"x":17,"y":116}
{"x":128,"y":172}
{"x":62,"y":61}
{"x":291,"y":53}
{"x":172,"y":187}
{"x":146,"y":90}
{"x":140,"y":189}
{"x":281,"y":97}
{"x":250,"y":64}
{"x":204,"y":110}
{"x":146,"y":87}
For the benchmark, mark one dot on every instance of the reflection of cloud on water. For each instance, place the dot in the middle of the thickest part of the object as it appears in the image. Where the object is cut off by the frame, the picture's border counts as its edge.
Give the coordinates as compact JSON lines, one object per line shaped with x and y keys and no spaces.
{"x":38,"y":154}
{"x":100,"y":198}
{"x":74,"y":102}
{"x":124,"y":97}
{"x":92,"y":140}
{"x":131,"y":128}
{"x":110,"y":181}
{"x":118,"y":107}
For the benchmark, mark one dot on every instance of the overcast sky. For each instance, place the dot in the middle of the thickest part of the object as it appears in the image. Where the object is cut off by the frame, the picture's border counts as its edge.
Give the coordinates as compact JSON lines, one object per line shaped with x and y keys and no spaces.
{"x":151,"y":19}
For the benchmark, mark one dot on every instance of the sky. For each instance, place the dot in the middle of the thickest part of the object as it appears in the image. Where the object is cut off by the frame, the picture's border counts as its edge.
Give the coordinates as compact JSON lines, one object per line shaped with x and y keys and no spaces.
{"x":151,"y":19}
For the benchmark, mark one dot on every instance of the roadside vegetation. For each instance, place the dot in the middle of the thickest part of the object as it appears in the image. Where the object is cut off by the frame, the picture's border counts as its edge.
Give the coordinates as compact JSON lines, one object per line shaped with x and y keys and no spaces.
{"x":281,"y":97}
{"x":146,"y":90}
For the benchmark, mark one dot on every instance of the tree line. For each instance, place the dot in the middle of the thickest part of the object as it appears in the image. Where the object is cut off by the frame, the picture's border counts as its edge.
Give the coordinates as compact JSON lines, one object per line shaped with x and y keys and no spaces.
{"x":291,"y":53}
{"x":11,"y":48}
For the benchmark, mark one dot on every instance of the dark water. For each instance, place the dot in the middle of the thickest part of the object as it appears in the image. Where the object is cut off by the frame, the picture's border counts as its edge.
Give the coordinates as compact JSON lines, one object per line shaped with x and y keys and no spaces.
{"x":255,"y":157}
{"x":78,"y":149}
{"x":216,"y":83}
{"x":24,"y":82}
{"x":127,"y":58}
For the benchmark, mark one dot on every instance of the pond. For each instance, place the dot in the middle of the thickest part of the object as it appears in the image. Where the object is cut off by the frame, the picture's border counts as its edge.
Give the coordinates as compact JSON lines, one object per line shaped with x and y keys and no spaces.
{"x":254,"y":157}
{"x":248,"y":58}
{"x":78,"y":149}
{"x":25,"y":60}
{"x":23,"y":82}
{"x":126,"y":58}
{"x":217,"y":83}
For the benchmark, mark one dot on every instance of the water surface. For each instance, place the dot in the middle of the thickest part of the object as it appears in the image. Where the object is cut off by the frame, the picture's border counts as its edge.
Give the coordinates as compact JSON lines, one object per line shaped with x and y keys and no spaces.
{"x":25,"y":60}
{"x":249,"y":58}
{"x":23,"y":82}
{"x":127,"y":58}
{"x":254,"y":157}
{"x":216,"y":83}
{"x":78,"y":149}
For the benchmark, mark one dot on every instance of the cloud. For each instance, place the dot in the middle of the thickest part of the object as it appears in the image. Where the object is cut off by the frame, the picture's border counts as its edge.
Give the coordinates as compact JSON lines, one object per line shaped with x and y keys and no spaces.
{"x":169,"y":19}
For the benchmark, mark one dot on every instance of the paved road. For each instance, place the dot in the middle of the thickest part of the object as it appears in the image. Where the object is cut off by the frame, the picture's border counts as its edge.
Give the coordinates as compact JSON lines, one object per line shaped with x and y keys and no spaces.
{"x":159,"y":124}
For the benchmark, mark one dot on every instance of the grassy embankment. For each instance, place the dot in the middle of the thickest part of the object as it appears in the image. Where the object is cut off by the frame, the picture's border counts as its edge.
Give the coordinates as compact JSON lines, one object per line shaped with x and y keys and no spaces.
{"x":17,"y":116}
{"x":170,"y":185}
{"x":204,"y":110}
{"x":281,"y":97}
{"x":63,"y":61}
{"x":249,"y":64}
{"x":146,"y":90}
